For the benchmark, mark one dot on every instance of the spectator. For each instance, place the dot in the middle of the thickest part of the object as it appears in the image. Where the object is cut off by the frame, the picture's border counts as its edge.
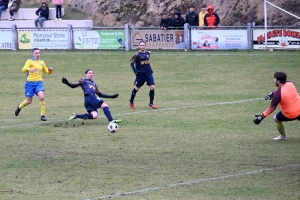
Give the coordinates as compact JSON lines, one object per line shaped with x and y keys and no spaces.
{"x":211,"y":18}
{"x":192,"y":18}
{"x":58,"y":6}
{"x":3,"y":6}
{"x":178,"y":20}
{"x":15,"y":5}
{"x":165,"y":21}
{"x":43,"y":13}
{"x":201,"y":15}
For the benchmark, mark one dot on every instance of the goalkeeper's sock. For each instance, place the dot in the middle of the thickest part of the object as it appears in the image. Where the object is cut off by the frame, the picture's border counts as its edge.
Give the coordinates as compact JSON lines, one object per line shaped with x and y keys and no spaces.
{"x":43,"y":108}
{"x":84,"y":116}
{"x":107,"y":113}
{"x":151,"y":95}
{"x":134,"y":91}
{"x":280,"y":128}
{"x":23,"y":104}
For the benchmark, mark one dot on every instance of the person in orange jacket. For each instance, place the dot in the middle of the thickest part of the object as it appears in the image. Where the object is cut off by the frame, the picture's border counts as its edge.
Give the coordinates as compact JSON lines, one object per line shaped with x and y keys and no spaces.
{"x":211,"y":18}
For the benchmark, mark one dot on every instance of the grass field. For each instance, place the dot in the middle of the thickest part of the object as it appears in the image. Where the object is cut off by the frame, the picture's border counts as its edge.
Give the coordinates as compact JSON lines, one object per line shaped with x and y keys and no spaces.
{"x":200,"y":143}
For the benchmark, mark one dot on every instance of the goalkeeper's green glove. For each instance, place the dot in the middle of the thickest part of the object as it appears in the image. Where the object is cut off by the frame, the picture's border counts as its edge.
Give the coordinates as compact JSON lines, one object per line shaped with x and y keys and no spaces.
{"x":269,"y":96}
{"x":258,"y":119}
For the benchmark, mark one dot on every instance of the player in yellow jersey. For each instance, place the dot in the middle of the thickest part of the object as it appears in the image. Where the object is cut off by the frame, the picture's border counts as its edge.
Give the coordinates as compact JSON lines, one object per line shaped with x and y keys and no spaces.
{"x":34,"y":68}
{"x":287,"y":97}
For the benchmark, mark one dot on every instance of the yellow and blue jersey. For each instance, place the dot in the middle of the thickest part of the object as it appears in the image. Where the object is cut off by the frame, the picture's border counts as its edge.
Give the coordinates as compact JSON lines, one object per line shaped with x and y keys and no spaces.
{"x":39,"y":67}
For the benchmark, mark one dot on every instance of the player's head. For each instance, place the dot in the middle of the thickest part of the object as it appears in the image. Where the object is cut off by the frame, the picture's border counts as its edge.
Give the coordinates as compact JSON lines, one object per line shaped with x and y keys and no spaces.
{"x":142,"y":45}
{"x":89,"y":74}
{"x":279,"y":77}
{"x":36,"y":53}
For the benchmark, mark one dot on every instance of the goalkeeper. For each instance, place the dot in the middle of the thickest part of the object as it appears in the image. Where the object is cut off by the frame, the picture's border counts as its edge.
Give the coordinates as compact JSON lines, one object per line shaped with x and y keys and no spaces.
{"x":91,"y":101}
{"x":287,"y":97}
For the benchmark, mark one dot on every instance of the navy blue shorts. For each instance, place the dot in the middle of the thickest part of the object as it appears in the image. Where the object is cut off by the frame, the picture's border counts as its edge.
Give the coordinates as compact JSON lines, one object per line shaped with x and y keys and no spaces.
{"x":142,"y":78}
{"x":92,"y":103}
{"x":280,"y":117}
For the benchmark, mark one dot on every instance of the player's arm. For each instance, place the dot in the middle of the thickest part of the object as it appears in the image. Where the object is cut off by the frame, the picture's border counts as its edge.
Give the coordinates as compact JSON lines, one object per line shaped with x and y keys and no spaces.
{"x":26,"y":67}
{"x":275,"y":101}
{"x":132,"y":61}
{"x":102,"y":95}
{"x":71,"y":85}
{"x":47,"y":70}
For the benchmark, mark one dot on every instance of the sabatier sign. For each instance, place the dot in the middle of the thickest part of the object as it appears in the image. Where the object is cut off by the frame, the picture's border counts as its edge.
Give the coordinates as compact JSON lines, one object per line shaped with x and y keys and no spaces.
{"x":158,"y":39}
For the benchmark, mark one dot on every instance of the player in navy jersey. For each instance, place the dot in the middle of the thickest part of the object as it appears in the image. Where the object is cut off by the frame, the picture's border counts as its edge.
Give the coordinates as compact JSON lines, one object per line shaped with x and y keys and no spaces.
{"x":140,"y":65}
{"x":91,"y":101}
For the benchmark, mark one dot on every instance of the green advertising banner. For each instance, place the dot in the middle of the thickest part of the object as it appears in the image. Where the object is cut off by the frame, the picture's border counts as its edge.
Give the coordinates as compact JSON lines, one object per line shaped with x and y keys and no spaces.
{"x":99,"y":39}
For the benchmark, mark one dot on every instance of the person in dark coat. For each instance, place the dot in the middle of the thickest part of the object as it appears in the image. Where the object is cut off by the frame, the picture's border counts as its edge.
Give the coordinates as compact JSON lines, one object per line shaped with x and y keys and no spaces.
{"x":165,"y":21}
{"x":43,"y":13}
{"x":178,"y":20}
{"x":192,"y":18}
{"x":3,"y":6}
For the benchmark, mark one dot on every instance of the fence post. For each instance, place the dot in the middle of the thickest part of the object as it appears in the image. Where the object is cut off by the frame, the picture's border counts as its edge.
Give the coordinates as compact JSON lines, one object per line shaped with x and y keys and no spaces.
{"x":186,"y":36}
{"x":14,"y":37}
{"x":127,"y":37}
{"x":70,"y":37}
{"x":250,"y":35}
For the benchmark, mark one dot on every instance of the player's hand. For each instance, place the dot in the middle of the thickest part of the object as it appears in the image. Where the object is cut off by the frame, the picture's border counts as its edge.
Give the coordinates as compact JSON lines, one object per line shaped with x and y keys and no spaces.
{"x":31,"y":70}
{"x":114,"y":96}
{"x":258,"y":119}
{"x":65,"y":81}
{"x":269,"y":96}
{"x":50,"y":69}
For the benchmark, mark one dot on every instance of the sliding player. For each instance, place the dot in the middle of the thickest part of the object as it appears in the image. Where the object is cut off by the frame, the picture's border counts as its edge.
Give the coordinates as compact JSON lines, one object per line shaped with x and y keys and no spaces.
{"x":91,"y":101}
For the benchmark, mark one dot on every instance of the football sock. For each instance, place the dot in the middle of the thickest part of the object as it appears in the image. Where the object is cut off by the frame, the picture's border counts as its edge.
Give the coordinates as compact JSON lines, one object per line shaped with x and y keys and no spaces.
{"x":151,"y":95}
{"x":43,"y":108}
{"x":280,"y":128}
{"x":84,"y":116}
{"x":134,"y":91}
{"x":23,"y":104}
{"x":107,"y":113}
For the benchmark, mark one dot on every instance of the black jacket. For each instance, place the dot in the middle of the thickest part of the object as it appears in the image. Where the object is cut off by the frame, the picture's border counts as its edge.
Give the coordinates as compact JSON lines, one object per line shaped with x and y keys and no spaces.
{"x":4,"y":3}
{"x":44,"y":12}
{"x":178,"y":22}
{"x":192,"y":19}
{"x":165,"y":22}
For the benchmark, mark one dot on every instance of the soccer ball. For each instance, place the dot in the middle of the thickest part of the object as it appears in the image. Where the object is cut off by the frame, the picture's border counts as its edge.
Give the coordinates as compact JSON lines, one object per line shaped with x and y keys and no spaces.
{"x":112,"y":127}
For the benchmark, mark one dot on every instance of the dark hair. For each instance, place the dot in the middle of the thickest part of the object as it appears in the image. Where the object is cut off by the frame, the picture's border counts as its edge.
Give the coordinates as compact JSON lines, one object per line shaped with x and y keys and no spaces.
{"x":203,"y":6}
{"x":35,"y":49}
{"x":142,"y":41}
{"x":280,"y":76}
{"x":192,"y":6}
{"x":165,"y":13}
{"x":88,"y":71}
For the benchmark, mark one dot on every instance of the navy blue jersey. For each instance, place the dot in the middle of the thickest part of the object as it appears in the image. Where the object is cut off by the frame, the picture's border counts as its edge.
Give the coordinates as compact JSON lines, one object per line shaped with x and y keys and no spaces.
{"x":88,"y":86}
{"x":142,"y":63}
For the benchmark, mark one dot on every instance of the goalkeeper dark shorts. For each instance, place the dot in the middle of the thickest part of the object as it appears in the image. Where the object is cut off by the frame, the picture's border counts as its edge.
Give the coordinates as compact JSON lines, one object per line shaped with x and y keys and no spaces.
{"x":280,"y":117}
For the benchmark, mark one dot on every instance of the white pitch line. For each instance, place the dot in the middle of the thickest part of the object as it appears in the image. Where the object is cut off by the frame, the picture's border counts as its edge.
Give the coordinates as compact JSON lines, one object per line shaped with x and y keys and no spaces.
{"x":118,"y":194}
{"x":142,"y":111}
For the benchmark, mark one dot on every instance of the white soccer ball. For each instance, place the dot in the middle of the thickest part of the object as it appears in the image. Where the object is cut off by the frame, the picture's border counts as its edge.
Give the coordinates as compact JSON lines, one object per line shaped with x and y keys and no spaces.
{"x":112,"y":127}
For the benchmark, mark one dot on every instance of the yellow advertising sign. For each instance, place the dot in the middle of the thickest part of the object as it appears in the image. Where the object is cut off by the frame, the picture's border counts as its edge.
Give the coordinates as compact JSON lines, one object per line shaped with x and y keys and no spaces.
{"x":24,"y":40}
{"x":158,"y":39}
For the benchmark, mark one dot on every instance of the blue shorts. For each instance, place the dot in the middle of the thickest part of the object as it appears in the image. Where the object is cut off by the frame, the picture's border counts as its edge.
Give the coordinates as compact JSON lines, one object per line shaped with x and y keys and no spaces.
{"x":32,"y":88}
{"x":142,"y":78}
{"x":92,"y":103}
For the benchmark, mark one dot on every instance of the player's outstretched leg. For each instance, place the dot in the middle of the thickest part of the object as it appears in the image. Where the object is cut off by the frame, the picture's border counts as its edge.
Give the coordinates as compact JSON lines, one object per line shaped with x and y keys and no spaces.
{"x":81,"y":116}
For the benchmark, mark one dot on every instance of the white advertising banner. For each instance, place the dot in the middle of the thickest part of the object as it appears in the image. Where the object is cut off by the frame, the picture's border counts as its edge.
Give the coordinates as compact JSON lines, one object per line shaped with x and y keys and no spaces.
{"x":50,"y":39}
{"x":5,"y":39}
{"x":277,"y":39}
{"x":219,"y":39}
